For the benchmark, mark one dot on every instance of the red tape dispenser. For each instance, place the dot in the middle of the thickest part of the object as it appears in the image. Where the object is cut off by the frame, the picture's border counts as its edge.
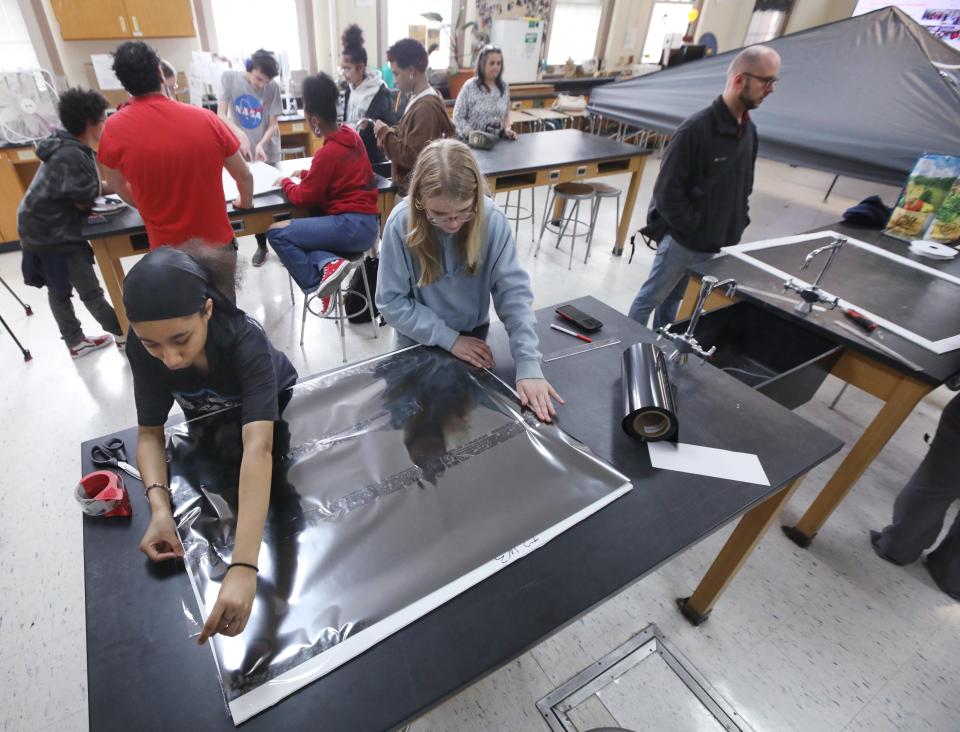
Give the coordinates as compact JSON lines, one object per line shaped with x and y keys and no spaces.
{"x":102,"y":493}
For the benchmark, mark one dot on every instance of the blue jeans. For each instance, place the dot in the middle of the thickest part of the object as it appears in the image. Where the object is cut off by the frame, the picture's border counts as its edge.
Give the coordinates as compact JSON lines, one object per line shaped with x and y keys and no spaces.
{"x":306,"y":245}
{"x":666,"y":283}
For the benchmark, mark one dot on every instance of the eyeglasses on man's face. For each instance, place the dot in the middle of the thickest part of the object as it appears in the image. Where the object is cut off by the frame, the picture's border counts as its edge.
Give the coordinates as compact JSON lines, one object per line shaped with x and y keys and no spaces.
{"x":765,"y":81}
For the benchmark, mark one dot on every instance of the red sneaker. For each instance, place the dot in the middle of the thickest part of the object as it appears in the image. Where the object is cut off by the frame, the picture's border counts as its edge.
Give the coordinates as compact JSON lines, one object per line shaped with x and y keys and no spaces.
{"x":88,"y":345}
{"x":333,"y":272}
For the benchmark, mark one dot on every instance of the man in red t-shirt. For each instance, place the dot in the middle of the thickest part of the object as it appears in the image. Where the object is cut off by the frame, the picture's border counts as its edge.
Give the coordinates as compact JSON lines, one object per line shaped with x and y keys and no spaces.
{"x":165,"y":158}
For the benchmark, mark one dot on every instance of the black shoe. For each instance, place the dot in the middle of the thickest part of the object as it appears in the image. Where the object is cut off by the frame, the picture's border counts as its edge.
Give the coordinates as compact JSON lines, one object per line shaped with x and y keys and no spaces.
{"x":875,"y":542}
{"x":259,"y":256}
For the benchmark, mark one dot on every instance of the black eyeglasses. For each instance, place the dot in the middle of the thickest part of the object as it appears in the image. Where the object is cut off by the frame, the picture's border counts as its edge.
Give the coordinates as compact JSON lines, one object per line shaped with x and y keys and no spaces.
{"x":767,"y":81}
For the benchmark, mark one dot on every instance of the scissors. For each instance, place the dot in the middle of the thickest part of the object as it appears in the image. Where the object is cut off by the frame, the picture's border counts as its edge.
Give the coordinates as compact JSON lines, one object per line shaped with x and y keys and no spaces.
{"x":112,"y":454}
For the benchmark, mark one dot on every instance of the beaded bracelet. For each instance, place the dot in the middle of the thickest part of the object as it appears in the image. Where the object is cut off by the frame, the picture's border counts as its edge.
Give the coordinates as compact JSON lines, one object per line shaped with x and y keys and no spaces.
{"x":146,"y":491}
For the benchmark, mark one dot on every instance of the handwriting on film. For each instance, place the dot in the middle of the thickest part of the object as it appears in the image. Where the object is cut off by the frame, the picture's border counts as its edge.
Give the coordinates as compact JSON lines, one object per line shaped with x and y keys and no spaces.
{"x":518,"y":551}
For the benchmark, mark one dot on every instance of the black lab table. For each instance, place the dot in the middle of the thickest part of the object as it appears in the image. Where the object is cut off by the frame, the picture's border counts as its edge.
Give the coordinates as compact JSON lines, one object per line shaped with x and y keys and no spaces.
{"x":144,"y":672}
{"x":896,"y":384}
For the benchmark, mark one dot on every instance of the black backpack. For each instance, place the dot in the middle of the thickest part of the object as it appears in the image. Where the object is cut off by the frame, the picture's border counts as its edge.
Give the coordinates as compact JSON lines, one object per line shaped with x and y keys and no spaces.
{"x":354,"y":301}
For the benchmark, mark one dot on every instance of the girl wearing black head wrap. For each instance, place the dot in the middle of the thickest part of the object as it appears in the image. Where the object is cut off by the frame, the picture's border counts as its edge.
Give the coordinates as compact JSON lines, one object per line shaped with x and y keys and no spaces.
{"x":188,"y":342}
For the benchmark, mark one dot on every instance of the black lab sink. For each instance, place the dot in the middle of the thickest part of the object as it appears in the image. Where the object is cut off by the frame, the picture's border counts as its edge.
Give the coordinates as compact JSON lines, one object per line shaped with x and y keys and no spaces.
{"x":776,"y":357}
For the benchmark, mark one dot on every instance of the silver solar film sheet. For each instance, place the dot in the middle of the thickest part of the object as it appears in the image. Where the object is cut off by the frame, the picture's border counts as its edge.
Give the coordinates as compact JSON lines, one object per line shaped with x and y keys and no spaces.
{"x":398,"y":483}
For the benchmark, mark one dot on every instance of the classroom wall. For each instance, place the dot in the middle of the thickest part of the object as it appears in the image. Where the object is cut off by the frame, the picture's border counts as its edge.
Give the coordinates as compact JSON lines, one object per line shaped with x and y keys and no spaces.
{"x":811,"y":13}
{"x":727,"y":19}
{"x":75,"y":54}
{"x":350,"y":11}
{"x":628,"y":32}
{"x":366,"y":17}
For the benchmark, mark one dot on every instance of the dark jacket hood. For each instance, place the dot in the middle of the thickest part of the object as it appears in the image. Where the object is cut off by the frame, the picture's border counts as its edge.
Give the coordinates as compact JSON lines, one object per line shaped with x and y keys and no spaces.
{"x":59,"y":139}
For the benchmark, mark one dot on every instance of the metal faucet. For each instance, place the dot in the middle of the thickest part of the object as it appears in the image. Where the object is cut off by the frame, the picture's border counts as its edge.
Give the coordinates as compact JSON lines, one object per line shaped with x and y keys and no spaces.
{"x":685,"y":343}
{"x":813,"y":293}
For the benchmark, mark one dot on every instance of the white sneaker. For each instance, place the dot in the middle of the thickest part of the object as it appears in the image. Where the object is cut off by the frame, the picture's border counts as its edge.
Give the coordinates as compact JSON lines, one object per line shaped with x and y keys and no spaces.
{"x":88,"y":345}
{"x":121,"y":342}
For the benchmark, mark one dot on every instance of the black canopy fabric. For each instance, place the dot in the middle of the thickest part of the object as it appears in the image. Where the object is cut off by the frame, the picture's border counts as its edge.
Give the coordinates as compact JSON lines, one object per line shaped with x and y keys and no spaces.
{"x":862,"y":97}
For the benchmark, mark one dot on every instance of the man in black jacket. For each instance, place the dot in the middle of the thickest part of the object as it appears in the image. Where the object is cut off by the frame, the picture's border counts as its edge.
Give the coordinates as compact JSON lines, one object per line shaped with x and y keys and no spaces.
{"x":705,"y":180}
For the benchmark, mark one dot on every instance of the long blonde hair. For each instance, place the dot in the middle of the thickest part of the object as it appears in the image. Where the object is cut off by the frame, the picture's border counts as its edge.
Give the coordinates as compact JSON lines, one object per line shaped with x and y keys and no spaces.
{"x":445,"y":168}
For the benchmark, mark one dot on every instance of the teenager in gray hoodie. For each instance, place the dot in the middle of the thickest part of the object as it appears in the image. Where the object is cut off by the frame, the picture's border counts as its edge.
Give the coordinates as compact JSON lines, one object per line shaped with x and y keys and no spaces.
{"x":447,"y":249}
{"x":51,"y":215}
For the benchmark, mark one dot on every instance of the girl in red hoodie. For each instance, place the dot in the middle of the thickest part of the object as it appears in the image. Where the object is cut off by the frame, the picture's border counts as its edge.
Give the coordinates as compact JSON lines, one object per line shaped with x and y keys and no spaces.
{"x":340,"y":183}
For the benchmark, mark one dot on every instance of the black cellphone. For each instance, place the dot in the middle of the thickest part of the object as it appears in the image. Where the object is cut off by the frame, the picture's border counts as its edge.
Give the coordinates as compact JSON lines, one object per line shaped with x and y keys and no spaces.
{"x":584,"y":322}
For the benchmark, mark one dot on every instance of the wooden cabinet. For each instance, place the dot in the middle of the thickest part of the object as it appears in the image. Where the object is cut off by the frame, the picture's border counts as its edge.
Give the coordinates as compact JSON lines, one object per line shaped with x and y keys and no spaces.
{"x":166,"y":19}
{"x":10,"y":195}
{"x":18,"y":165}
{"x":96,"y":19}
{"x":107,"y":19}
{"x":296,"y":133}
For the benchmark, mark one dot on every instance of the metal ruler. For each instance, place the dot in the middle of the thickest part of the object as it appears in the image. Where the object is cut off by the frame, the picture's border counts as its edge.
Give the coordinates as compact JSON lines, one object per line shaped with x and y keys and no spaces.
{"x":576,"y":350}
{"x":774,"y":295}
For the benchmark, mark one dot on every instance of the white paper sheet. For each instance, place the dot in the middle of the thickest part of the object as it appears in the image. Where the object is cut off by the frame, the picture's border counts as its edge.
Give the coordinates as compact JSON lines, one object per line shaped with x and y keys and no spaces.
{"x":264,"y":177}
{"x":709,"y":461}
{"x":103,"y":68}
{"x":289,"y":167}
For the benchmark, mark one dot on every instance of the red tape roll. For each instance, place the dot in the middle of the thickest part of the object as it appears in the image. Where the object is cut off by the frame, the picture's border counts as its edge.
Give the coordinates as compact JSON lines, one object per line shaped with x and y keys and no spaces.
{"x":102,"y":493}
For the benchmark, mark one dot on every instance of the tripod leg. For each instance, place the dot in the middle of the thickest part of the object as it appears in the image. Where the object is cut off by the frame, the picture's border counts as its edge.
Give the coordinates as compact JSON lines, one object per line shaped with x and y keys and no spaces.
{"x":27,"y":309}
{"x":24,"y":351}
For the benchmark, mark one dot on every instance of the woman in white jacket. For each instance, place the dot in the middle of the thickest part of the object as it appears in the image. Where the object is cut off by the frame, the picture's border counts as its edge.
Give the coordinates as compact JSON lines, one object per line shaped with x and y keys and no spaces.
{"x":366,"y":97}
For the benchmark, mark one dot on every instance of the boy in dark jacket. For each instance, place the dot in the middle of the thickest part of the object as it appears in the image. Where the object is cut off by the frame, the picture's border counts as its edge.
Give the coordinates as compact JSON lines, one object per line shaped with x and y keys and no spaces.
{"x":425,"y":118}
{"x":704,"y":183}
{"x":52,"y":213}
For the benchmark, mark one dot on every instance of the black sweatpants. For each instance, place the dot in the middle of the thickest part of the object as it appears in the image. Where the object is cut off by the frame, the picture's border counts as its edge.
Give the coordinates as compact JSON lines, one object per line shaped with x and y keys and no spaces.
{"x":922,"y":505}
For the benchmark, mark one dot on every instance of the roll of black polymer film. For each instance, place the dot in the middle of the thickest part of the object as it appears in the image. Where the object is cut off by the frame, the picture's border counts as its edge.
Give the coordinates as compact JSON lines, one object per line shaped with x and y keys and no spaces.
{"x":649,"y":408}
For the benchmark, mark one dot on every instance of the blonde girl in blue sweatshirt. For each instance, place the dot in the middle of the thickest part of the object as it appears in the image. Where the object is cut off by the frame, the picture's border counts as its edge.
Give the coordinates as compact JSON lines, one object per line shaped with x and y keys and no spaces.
{"x":447,"y":249}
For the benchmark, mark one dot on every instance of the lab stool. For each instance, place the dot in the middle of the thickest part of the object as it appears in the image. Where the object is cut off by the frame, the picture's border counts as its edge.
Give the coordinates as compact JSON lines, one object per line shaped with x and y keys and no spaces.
{"x":355,"y":261}
{"x":292,"y":153}
{"x":601,"y":191}
{"x":575,"y":193}
{"x":521,"y":213}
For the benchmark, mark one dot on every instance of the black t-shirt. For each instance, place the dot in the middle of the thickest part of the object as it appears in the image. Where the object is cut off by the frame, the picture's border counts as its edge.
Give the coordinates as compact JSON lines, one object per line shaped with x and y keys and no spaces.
{"x":245,"y":370}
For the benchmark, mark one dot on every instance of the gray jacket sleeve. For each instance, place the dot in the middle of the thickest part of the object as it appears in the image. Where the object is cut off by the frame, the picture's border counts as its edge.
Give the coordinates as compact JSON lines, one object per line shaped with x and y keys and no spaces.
{"x":513,"y":298}
{"x":396,"y":281}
